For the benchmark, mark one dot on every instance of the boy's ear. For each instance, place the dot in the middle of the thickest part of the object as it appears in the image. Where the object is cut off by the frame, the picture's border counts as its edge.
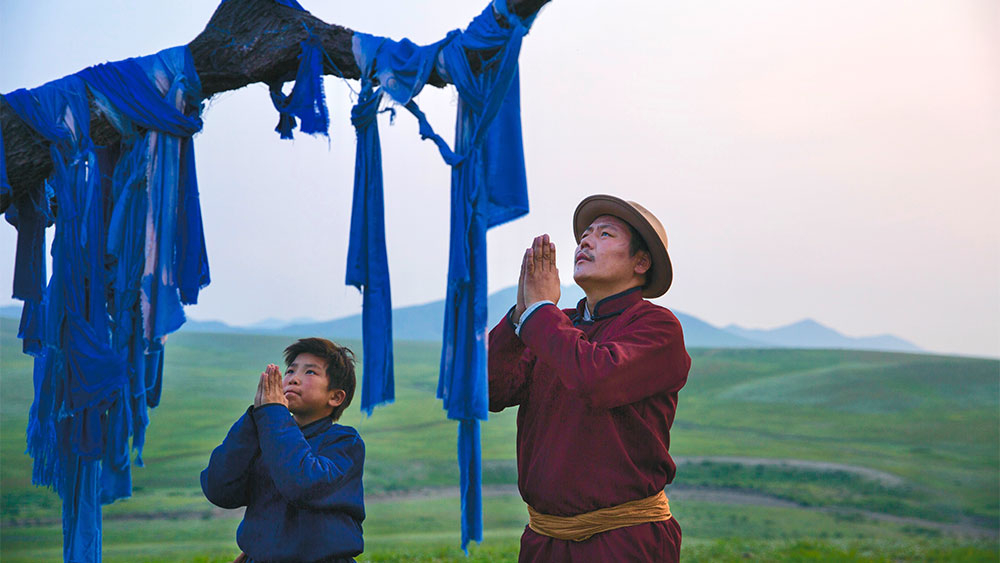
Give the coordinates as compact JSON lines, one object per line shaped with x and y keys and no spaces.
{"x":337,"y":397}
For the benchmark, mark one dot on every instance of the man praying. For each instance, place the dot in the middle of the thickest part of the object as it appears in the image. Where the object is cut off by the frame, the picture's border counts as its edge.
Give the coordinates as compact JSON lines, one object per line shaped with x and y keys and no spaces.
{"x":596,"y":390}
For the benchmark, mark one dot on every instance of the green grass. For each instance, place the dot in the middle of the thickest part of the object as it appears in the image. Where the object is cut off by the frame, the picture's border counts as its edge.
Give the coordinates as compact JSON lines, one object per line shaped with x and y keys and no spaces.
{"x":932,"y":421}
{"x":809,"y":487}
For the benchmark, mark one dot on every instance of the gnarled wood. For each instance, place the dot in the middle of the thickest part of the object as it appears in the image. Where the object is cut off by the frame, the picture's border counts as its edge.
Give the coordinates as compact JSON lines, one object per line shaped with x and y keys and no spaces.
{"x":245,"y":41}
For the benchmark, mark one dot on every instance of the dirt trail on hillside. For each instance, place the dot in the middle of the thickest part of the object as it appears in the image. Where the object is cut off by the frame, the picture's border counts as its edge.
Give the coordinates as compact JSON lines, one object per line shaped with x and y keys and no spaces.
{"x":883,"y":477}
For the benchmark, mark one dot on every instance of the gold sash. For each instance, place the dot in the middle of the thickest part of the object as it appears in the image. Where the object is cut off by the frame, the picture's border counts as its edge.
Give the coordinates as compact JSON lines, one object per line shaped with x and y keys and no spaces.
{"x":582,"y":526}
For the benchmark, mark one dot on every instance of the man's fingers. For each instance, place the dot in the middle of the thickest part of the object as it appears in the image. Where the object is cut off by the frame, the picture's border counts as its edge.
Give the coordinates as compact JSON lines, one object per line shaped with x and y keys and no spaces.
{"x":520,"y":281}
{"x":548,"y":254}
{"x":529,"y":262}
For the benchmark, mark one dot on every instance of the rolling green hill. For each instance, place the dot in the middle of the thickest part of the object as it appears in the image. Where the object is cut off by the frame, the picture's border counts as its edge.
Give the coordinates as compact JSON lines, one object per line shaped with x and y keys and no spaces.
{"x":783,"y":454}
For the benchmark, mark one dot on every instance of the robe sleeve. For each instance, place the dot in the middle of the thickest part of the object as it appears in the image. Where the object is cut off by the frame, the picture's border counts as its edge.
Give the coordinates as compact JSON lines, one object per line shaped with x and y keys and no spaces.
{"x":324,"y":479}
{"x":225,"y":481}
{"x":646,"y":358}
{"x":509,"y":363}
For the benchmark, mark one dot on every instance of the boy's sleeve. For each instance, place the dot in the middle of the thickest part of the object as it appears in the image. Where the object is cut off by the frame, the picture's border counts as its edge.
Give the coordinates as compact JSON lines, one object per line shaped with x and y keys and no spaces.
{"x":225,"y":481}
{"x":329,"y":478}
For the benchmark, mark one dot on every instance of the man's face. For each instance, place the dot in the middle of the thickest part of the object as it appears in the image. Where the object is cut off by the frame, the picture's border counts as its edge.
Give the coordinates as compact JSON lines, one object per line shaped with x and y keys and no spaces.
{"x":306,"y":388}
{"x":602,"y":257}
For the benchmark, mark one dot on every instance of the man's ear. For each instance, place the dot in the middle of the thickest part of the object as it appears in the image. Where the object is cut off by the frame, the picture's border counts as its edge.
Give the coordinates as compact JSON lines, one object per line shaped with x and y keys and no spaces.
{"x":337,"y":397}
{"x":642,"y":263}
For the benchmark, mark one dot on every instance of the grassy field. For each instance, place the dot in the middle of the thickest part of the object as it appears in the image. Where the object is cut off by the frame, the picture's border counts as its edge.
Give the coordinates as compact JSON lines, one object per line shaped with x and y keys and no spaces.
{"x":911,"y":443}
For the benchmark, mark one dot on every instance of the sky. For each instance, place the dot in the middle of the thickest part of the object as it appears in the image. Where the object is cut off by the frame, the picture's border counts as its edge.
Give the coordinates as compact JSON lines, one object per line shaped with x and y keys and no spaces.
{"x":827,"y":160}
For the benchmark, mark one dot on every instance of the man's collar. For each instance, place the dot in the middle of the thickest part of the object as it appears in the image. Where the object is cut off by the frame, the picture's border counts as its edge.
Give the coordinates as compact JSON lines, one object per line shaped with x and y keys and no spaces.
{"x":611,"y":305}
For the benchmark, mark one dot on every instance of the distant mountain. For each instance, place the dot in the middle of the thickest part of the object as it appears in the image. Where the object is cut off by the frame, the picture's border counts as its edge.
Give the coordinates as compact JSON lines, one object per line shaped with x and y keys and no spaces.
{"x":212,"y":326}
{"x":10,"y":311}
{"x":699,"y":334}
{"x":273,"y":323}
{"x":425,"y":323}
{"x":810,"y":334}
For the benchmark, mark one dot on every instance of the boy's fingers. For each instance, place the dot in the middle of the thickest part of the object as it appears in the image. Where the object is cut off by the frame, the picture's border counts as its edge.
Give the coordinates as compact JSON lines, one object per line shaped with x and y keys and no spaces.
{"x":259,"y":397}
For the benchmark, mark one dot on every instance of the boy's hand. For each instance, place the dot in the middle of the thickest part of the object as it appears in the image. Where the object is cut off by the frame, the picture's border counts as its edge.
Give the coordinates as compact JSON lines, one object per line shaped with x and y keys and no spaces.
{"x":269,"y":389}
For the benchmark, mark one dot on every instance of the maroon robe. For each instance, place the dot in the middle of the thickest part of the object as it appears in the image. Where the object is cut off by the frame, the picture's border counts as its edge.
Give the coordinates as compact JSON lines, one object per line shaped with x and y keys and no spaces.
{"x":596,"y":400}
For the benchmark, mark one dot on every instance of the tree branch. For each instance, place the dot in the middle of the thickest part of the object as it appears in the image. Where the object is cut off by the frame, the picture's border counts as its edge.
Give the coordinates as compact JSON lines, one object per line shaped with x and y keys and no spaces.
{"x":245,"y":42}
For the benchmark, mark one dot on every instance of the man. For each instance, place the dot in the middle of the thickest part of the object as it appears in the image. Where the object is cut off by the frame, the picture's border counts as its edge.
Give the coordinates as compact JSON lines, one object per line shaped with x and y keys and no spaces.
{"x":596,"y":389}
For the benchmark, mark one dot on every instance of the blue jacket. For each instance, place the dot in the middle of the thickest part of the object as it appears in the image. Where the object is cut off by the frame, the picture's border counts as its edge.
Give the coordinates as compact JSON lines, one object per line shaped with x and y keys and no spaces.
{"x":301,"y":486}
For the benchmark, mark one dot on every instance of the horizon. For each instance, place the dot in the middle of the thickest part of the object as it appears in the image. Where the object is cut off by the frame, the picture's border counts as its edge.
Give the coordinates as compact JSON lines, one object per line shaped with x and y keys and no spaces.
{"x":262,"y":326}
{"x":821,"y":162}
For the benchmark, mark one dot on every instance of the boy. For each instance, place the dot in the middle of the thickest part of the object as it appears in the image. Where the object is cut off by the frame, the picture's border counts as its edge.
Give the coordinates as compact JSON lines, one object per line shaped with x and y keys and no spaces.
{"x":297,"y":472}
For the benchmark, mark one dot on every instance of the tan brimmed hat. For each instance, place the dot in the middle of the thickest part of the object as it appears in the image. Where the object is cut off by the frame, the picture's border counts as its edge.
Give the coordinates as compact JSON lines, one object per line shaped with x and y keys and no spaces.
{"x":661,"y":273}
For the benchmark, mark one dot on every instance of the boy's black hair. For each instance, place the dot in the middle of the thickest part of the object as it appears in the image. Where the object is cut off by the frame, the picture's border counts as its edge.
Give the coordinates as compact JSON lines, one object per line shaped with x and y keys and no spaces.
{"x":339,"y":366}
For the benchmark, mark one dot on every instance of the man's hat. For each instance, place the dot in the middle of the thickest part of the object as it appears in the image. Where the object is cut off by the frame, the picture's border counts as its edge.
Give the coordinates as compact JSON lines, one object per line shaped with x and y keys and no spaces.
{"x":661,"y":273}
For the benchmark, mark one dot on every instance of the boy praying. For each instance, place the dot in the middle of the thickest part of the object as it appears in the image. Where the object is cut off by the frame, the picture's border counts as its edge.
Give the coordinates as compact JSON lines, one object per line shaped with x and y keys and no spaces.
{"x":295,"y":469}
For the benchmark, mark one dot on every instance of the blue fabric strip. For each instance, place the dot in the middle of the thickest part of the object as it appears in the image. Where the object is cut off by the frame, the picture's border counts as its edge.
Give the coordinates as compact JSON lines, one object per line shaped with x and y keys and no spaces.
{"x":5,"y":189}
{"x":367,"y":262}
{"x":488,"y":187}
{"x":128,"y":249}
{"x":307,"y":100}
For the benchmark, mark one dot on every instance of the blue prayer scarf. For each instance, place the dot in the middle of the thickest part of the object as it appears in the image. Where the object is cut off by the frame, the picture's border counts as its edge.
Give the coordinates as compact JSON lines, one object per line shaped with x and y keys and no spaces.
{"x":307,"y":100}
{"x":128,"y":250}
{"x":488,"y":187}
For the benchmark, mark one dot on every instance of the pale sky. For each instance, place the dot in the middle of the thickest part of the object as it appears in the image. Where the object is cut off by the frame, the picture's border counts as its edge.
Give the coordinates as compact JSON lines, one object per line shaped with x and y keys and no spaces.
{"x":830,"y":160}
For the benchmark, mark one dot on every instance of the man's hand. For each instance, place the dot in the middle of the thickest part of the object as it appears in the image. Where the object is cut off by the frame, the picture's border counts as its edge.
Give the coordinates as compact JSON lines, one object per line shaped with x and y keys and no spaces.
{"x":521,"y":305}
{"x":541,"y":278}
{"x":269,"y":389}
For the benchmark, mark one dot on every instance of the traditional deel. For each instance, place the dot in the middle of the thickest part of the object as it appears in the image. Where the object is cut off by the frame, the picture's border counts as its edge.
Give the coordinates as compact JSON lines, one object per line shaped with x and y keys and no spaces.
{"x":488,"y":188}
{"x":128,"y":251}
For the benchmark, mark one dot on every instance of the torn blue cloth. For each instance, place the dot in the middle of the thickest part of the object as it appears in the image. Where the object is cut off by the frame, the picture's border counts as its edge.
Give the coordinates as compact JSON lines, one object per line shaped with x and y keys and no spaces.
{"x":367,"y":262}
{"x":128,"y":250}
{"x":307,"y":100}
{"x":488,"y":187}
{"x":5,"y":190}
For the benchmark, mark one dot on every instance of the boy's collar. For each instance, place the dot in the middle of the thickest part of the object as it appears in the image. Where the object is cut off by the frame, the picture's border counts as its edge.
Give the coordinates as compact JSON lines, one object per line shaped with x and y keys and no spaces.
{"x":315,"y":427}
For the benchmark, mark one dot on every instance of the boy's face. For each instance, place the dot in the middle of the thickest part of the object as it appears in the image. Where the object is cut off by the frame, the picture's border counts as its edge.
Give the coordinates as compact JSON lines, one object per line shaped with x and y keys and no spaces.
{"x":306,"y":389}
